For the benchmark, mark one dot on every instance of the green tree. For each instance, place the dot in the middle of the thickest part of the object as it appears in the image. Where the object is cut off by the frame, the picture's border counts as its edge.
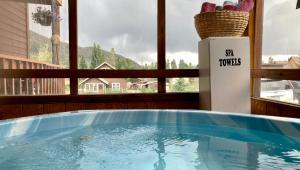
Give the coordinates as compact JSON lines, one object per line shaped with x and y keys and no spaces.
{"x":271,"y":60}
{"x":97,"y":57}
{"x":82,"y":63}
{"x":100,"y":55}
{"x":43,"y":54}
{"x":183,"y":65}
{"x":154,"y":65}
{"x":146,"y":67}
{"x":173,"y":64}
{"x":118,"y":63}
{"x":168,"y":64}
{"x":179,"y":85}
{"x":113,"y":58}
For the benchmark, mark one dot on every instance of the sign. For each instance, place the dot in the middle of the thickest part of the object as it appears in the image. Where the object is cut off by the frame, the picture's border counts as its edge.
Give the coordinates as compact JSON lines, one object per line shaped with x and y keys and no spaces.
{"x":230,"y":60}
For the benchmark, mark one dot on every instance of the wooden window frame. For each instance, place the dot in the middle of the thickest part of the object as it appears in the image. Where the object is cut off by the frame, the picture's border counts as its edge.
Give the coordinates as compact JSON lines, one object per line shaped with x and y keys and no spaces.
{"x":260,"y":105}
{"x":73,"y":73}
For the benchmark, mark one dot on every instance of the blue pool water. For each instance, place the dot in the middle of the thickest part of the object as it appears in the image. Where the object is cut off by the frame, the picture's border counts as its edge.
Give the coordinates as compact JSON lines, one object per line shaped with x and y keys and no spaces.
{"x":154,"y":140}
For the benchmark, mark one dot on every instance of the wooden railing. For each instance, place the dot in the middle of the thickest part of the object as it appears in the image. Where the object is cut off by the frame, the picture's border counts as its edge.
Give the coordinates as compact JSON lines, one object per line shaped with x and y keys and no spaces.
{"x":29,"y":86}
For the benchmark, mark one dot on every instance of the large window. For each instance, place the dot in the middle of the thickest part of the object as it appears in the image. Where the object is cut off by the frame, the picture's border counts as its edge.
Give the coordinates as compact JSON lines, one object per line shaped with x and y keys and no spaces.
{"x":61,"y":47}
{"x":181,"y":36}
{"x":281,"y":50}
{"x":119,"y":32}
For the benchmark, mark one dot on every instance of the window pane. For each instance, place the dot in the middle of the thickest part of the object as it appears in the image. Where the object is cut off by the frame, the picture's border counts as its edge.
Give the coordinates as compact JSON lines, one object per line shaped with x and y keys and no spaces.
{"x":116,"y":85}
{"x":281,"y":35}
{"x":182,"y":38}
{"x":183,"y":84}
{"x":34,"y":34}
{"x":281,"y":90}
{"x":121,"y":33}
{"x":34,"y":86}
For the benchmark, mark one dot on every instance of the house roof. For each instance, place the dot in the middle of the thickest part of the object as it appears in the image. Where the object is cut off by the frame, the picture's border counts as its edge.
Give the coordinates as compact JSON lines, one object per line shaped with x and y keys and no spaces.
{"x":103,"y":80}
{"x":294,"y":62}
{"x":99,"y":67}
{"x":103,"y":64}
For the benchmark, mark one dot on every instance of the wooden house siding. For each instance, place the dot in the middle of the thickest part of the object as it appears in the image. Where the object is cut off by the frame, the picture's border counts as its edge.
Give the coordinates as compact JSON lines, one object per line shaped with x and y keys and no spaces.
{"x":110,"y":81}
{"x":13,"y":28}
{"x":123,"y":82}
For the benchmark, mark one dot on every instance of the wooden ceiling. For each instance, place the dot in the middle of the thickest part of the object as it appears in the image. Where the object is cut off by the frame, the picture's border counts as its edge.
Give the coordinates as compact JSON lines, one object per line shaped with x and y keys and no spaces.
{"x":45,"y":2}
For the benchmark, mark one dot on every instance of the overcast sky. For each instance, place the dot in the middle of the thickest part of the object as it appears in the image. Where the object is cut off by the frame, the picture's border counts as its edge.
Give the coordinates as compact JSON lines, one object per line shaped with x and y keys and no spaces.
{"x":129,"y":26}
{"x":281,"y":27}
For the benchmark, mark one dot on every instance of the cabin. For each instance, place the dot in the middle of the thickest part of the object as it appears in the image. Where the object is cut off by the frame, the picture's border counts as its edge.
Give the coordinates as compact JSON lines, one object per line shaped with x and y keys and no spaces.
{"x":143,"y":84}
{"x":103,"y":85}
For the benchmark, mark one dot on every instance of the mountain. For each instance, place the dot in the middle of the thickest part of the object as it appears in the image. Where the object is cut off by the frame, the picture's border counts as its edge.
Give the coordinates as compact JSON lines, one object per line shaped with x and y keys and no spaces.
{"x":37,"y":42}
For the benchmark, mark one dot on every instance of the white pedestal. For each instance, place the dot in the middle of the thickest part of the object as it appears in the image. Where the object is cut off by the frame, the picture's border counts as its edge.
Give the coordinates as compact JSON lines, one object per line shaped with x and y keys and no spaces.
{"x":226,"y":85}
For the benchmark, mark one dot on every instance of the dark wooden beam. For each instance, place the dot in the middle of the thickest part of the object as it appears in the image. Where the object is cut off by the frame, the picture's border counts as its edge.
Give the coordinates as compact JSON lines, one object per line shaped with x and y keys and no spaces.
{"x":156,"y":97}
{"x":161,"y":43}
{"x":257,"y":44}
{"x":75,"y":74}
{"x":279,"y":74}
{"x":73,"y":48}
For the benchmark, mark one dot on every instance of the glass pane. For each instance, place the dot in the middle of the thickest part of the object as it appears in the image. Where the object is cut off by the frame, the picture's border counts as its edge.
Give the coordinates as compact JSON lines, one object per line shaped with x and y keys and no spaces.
{"x":95,"y":86}
{"x":34,"y":34}
{"x":121,"y":33}
{"x":34,"y":86}
{"x":182,"y":38}
{"x":281,"y":90}
{"x":281,"y":35}
{"x":183,"y":84}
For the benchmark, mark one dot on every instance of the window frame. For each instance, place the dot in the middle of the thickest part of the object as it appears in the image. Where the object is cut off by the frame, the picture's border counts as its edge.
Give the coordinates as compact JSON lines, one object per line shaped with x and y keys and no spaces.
{"x":161,"y":73}
{"x":116,"y":84}
{"x":257,"y":72}
{"x":74,"y":73}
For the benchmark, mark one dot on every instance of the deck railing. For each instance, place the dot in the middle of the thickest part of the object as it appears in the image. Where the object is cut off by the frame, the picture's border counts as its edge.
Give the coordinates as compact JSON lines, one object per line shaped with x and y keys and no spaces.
{"x":29,"y":86}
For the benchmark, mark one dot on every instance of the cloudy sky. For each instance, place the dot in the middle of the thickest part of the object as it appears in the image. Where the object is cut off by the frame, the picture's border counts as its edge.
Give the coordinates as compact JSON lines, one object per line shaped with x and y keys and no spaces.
{"x":129,"y":26}
{"x":281,"y":27}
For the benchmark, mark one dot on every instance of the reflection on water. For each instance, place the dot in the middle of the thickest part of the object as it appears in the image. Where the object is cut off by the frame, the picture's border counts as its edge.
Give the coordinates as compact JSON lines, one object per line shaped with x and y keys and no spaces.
{"x":149,"y":148}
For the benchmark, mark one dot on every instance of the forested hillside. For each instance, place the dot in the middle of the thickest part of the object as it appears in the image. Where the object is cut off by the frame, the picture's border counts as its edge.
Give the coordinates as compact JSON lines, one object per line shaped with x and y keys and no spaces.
{"x":40,"y":49}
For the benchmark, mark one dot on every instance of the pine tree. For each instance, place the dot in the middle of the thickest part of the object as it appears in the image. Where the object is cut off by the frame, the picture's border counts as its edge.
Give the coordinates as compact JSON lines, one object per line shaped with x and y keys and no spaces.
{"x":97,"y":57}
{"x":168,"y":64}
{"x":183,"y":65}
{"x":94,"y":59}
{"x":118,"y":64}
{"x":100,"y":55}
{"x":113,"y":58}
{"x":146,"y":66}
{"x":173,"y":64}
{"x":82,"y":63}
{"x":179,"y":85}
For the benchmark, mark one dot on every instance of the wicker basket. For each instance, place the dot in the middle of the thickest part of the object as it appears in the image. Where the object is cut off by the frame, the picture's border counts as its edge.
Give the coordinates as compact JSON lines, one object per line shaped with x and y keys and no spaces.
{"x":221,"y":23}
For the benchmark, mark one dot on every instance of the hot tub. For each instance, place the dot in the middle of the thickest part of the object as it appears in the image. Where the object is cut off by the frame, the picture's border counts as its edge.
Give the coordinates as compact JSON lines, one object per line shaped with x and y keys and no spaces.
{"x":150,"y":139}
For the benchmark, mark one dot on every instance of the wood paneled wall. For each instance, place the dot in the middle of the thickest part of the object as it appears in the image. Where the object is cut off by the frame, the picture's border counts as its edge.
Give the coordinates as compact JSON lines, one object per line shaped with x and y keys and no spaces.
{"x":273,"y":108}
{"x":13,"y":28}
{"x":28,"y":106}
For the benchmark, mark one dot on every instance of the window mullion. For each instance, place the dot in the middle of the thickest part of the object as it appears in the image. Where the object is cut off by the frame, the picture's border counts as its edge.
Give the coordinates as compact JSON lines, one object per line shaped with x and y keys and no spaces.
{"x":161,"y":43}
{"x":73,"y":38}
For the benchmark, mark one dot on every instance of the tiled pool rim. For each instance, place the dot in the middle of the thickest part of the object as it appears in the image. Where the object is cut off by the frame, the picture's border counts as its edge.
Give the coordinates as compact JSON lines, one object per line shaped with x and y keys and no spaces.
{"x":35,"y":124}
